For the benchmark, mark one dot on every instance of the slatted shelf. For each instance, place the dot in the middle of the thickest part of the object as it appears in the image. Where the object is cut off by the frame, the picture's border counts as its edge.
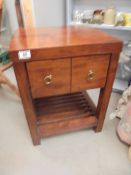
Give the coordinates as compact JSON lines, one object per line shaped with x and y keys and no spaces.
{"x":65,"y":111}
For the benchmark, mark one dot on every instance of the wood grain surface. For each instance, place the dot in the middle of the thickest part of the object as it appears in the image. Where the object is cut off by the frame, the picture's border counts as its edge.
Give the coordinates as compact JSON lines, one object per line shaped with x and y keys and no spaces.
{"x":81,"y":68}
{"x":105,"y":92}
{"x":60,"y":72}
{"x":69,"y":112}
{"x":22,"y":79}
{"x":61,"y":42}
{"x":64,"y":60}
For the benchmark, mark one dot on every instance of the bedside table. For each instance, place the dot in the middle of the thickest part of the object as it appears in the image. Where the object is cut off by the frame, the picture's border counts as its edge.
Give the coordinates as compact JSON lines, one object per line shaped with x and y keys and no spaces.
{"x":54,"y":67}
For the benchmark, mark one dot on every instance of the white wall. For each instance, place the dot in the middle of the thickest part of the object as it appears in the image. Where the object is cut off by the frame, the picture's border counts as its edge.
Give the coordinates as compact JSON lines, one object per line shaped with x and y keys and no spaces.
{"x":9,"y":22}
{"x":120,"y":5}
{"x":11,"y":15}
{"x":49,"y":12}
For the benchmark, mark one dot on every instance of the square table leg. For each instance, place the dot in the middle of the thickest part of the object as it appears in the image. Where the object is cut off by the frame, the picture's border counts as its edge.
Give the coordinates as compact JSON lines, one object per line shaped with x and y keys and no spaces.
{"x":22,"y":79}
{"x":105,"y":92}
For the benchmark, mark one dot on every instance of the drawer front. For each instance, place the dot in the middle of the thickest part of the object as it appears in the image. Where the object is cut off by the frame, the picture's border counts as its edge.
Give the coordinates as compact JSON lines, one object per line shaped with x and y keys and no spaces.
{"x":89,"y":72}
{"x":49,"y":77}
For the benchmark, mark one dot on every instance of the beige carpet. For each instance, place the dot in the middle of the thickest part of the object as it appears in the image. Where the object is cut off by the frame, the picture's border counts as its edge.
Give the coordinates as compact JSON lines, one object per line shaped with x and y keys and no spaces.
{"x":79,"y":153}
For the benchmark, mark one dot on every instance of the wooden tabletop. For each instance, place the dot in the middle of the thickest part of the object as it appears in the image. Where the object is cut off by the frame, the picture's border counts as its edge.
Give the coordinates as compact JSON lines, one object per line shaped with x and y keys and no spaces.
{"x":62,"y":37}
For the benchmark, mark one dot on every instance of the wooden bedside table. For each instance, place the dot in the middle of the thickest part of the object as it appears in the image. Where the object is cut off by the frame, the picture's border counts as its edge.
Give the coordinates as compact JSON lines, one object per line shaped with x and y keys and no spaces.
{"x":54,"y":67}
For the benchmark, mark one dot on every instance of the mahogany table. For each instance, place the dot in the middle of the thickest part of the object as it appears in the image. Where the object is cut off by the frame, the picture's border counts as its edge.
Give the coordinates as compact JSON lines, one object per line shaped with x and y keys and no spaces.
{"x":54,"y":67}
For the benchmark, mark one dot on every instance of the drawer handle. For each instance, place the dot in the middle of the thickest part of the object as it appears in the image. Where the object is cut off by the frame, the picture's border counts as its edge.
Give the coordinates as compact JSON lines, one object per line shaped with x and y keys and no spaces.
{"x":48,"y":79}
{"x":91,"y":75}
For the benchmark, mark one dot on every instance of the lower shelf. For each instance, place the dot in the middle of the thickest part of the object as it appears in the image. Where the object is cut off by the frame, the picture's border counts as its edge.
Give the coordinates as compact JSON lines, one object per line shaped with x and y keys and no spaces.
{"x":65,"y":113}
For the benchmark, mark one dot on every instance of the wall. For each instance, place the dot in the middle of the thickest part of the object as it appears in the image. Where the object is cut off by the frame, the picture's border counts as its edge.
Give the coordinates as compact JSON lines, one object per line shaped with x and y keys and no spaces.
{"x":47,"y":13}
{"x":120,"y":5}
{"x":50,"y":12}
{"x":11,"y":15}
{"x":9,"y":22}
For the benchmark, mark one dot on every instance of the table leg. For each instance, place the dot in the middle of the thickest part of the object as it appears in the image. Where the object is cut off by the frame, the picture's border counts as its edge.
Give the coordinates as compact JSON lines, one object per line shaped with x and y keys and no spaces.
{"x":105,"y":92}
{"x":22,"y":79}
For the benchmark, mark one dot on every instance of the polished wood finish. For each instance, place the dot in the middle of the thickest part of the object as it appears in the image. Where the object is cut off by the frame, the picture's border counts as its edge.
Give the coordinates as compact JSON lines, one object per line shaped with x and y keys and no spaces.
{"x":64,"y":62}
{"x":105,"y":92}
{"x":62,"y":42}
{"x":68,"y":113}
{"x":89,"y":72}
{"x":59,"y":82}
{"x":21,"y":76}
{"x":67,"y":126}
{"x":63,"y":107}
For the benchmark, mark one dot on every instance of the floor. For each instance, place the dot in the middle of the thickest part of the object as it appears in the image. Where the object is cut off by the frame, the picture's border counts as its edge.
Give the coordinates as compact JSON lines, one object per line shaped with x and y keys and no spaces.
{"x":79,"y":153}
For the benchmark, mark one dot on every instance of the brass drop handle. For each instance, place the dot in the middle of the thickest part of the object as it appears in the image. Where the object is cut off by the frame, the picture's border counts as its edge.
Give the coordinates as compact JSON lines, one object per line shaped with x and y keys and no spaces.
{"x":91,"y":75}
{"x":48,"y":79}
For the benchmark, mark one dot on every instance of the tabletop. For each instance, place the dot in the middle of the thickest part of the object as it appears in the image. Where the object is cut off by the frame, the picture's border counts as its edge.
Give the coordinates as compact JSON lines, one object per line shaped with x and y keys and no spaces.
{"x":60,"y":38}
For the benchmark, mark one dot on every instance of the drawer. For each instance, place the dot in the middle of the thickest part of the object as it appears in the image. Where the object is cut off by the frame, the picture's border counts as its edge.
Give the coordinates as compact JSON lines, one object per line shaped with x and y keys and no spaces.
{"x":48,"y":78}
{"x":89,"y":72}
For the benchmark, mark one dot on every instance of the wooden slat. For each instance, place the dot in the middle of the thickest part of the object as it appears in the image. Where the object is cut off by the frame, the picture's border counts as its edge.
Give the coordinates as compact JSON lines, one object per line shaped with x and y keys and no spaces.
{"x":67,"y":126}
{"x":55,"y":104}
{"x":62,"y":108}
{"x":69,"y":107}
{"x":61,"y":113}
{"x":60,"y":117}
{"x":60,"y":101}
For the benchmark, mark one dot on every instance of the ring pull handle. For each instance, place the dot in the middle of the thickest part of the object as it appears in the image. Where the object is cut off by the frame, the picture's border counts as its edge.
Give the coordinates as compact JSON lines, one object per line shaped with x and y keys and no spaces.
{"x":48,"y":79}
{"x":91,"y":75}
